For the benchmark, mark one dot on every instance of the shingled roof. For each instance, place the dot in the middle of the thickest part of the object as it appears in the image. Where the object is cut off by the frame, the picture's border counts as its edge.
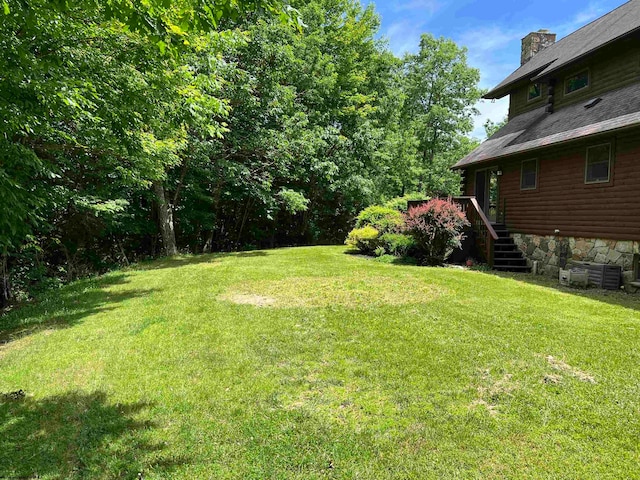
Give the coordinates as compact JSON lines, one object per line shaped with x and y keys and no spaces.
{"x":615,"y":25}
{"x":535,"y":129}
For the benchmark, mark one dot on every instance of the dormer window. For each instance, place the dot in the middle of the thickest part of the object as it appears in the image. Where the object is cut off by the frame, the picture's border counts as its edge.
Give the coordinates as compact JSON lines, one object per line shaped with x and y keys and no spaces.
{"x":576,"y":82}
{"x":535,"y":92}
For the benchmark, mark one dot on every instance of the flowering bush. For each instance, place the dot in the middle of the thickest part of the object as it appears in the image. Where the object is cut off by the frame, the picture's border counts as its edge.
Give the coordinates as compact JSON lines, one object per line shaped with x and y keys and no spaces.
{"x":437,"y":227}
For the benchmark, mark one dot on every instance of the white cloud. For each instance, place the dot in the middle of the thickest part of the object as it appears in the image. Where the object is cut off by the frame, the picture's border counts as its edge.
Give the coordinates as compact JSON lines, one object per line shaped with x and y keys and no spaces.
{"x":491,"y":50}
{"x":488,"y":38}
{"x":593,"y":11}
{"x":404,"y":37}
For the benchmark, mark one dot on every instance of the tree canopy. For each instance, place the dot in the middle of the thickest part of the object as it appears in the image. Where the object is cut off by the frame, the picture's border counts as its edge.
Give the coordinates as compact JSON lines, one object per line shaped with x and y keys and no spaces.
{"x":135,"y":129}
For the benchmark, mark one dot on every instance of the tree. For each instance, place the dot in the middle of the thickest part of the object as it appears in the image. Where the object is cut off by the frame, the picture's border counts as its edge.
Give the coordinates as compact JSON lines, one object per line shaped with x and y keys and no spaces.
{"x":441,"y":91}
{"x":138,"y":129}
{"x":491,"y":127}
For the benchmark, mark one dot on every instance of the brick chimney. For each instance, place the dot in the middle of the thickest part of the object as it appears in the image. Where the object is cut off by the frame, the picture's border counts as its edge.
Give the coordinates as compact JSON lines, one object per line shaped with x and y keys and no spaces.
{"x":535,"y":42}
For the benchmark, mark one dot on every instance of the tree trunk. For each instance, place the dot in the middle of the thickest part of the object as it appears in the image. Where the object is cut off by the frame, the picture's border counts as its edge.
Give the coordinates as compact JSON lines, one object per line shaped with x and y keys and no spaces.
{"x":165,"y":218}
{"x":5,"y":289}
{"x":244,"y":221}
{"x":208,"y":245}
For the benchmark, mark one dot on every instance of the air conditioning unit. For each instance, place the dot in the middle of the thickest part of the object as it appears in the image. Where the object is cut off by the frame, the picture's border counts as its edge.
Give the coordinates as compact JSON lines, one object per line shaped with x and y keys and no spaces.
{"x":600,"y":275}
{"x":576,"y":277}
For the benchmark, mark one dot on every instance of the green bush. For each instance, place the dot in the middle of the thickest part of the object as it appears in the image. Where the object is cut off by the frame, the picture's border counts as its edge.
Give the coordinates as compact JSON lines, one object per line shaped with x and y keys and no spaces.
{"x":383,"y":219}
{"x":365,"y":239}
{"x":401,"y":203}
{"x":397,"y":244}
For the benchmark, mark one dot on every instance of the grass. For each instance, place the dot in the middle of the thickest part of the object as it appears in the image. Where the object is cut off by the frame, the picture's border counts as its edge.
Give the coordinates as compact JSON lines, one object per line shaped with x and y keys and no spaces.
{"x":309,"y":363}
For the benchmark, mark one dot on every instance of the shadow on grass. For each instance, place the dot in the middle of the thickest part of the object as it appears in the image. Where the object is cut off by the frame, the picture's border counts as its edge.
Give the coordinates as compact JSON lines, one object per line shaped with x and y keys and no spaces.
{"x":386,"y":259}
{"x":77,"y":435}
{"x":185,"y":260}
{"x":613,"y":297}
{"x":70,"y":304}
{"x":65,"y":307}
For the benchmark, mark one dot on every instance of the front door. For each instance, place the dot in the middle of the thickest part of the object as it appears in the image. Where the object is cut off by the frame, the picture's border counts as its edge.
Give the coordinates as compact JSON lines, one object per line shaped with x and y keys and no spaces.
{"x":486,"y":193}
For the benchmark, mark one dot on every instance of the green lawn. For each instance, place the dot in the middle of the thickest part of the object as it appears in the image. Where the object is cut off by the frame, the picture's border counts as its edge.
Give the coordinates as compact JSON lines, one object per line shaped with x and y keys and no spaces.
{"x":311,"y":363}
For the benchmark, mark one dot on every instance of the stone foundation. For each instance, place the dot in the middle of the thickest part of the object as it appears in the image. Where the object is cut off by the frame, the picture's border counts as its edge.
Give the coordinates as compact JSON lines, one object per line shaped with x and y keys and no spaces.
{"x":551,"y":251}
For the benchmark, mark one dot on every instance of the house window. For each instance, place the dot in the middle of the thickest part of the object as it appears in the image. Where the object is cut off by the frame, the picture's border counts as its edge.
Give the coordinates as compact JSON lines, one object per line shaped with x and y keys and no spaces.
{"x":598,"y":166}
{"x":529,"y":175}
{"x":535,"y":92}
{"x":576,"y":82}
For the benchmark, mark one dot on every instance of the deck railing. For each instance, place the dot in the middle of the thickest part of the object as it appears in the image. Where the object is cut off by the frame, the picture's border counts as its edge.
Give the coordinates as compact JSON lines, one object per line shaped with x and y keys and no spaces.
{"x":485,"y":234}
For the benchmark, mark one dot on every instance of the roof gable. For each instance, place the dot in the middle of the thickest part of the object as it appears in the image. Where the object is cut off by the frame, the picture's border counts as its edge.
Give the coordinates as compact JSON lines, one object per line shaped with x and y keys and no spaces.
{"x":615,"y":25}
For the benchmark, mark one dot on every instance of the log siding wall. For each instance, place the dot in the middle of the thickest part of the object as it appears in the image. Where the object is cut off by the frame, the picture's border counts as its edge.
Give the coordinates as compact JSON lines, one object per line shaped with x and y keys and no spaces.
{"x":563,"y":201}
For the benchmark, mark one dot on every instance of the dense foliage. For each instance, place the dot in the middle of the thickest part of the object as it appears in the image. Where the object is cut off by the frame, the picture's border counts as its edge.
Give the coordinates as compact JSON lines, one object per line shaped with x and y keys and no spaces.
{"x":383,"y":219}
{"x":429,"y":231}
{"x":132,"y":130}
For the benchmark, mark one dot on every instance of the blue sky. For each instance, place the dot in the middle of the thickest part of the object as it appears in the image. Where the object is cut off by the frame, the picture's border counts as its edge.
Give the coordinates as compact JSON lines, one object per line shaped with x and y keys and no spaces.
{"x":491,"y":31}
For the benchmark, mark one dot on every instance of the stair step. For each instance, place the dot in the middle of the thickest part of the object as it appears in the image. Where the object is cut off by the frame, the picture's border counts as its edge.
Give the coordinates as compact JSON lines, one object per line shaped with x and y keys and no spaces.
{"x":512,"y":268}
{"x":504,"y":241}
{"x":507,"y":257}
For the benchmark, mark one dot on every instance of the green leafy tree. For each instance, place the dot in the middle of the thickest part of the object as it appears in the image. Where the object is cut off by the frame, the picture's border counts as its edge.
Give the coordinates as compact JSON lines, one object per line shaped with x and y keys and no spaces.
{"x":491,"y":127}
{"x":441,"y":91}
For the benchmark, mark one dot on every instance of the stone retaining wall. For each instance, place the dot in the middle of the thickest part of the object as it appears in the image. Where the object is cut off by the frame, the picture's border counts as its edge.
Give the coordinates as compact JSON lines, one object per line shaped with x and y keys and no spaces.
{"x":551,"y":251}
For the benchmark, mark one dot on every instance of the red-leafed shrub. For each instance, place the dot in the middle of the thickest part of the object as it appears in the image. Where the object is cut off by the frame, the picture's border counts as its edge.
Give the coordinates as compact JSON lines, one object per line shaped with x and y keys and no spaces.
{"x":437,"y":227}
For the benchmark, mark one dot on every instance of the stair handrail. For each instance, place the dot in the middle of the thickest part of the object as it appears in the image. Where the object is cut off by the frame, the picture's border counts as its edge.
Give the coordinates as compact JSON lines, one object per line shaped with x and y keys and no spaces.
{"x":484,"y":218}
{"x":481,"y":225}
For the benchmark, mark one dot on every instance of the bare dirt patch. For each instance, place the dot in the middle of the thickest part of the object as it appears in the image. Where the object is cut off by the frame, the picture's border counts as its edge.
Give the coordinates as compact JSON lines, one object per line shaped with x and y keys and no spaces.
{"x":552,"y":379}
{"x":563,"y":367}
{"x":249,"y":299}
{"x":492,"y":391}
{"x":346,"y":291}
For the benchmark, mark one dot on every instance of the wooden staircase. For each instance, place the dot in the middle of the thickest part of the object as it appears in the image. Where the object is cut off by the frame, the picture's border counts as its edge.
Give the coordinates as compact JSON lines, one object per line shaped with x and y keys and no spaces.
{"x":492,"y":239}
{"x":507,"y":257}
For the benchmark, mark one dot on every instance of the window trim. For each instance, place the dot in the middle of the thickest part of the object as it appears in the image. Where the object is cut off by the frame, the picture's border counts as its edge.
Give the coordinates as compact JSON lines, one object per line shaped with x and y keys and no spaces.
{"x":575,"y":74}
{"x":534,"y":99}
{"x":529,"y":189}
{"x":609,"y":169}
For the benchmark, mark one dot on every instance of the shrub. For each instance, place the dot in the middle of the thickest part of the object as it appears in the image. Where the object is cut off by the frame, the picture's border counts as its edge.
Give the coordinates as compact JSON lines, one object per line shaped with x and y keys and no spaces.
{"x":397,"y":244}
{"x":401,"y":203}
{"x":380,"y":251}
{"x":364,"y":239}
{"x":384,"y":220}
{"x":437,"y":227}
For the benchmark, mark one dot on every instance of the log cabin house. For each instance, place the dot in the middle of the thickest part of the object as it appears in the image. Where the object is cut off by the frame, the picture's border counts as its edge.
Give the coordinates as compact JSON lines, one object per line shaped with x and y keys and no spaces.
{"x":560,"y":180}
